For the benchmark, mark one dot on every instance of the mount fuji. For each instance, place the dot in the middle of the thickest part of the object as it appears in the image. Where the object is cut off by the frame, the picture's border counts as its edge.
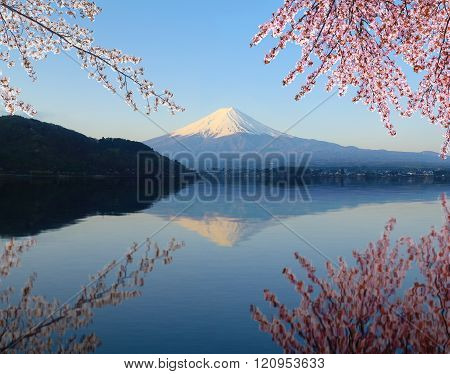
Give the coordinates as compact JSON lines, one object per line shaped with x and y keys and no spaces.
{"x":228,"y":130}
{"x":226,"y":122}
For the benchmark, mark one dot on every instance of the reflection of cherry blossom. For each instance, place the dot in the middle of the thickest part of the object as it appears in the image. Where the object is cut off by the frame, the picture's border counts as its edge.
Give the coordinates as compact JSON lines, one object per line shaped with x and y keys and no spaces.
{"x":35,"y":28}
{"x":363,"y":308}
{"x":35,"y":325}
{"x":361,"y":42}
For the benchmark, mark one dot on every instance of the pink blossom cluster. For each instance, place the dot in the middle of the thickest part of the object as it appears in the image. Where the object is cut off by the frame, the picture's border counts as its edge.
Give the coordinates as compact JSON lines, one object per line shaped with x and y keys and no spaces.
{"x":367,"y":44}
{"x":367,"y":308}
{"x":32,"y":29}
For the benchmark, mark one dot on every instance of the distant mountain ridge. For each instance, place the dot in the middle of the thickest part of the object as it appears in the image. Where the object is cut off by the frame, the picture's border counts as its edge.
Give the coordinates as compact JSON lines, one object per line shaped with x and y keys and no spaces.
{"x":31,"y":146}
{"x":230,"y":130}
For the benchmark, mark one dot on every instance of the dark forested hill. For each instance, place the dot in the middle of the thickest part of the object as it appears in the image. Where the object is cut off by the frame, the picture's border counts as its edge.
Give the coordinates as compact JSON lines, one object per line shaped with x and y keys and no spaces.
{"x":31,"y":146}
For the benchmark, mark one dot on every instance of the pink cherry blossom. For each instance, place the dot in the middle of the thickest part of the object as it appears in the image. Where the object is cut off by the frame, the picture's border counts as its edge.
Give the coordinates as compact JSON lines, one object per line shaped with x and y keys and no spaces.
{"x":368,"y":44}
{"x":366,"y":307}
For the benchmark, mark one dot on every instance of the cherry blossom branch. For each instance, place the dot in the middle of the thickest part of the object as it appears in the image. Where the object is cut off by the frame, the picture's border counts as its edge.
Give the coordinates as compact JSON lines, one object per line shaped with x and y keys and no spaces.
{"x":20,"y":331}
{"x":366,"y":308}
{"x":45,"y":34}
{"x":373,"y":36}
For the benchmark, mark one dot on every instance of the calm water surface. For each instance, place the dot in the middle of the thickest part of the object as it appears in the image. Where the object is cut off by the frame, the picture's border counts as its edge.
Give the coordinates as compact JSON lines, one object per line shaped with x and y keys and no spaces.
{"x":234,"y":250}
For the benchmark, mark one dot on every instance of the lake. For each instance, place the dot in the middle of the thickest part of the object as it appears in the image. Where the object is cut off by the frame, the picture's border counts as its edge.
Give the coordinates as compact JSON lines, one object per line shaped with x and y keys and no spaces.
{"x":235,"y":247}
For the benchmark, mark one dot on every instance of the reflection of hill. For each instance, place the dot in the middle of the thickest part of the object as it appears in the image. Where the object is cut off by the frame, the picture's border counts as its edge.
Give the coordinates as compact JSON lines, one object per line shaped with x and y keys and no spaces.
{"x":29,"y":206}
{"x":228,"y":218}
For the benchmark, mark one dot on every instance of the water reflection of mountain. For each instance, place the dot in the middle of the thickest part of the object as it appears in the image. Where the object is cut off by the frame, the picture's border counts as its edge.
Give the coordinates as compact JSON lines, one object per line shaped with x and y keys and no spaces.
{"x":225,"y":218}
{"x":223,"y":231}
{"x":30,"y":206}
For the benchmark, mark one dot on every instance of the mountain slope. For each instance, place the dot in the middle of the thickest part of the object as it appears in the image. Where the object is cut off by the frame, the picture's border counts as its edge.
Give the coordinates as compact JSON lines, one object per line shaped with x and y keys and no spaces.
{"x":229,"y":130}
{"x":28,"y":145}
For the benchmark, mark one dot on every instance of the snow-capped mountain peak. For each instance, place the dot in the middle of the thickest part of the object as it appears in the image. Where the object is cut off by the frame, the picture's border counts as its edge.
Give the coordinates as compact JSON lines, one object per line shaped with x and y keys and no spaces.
{"x":230,"y":130}
{"x":225,"y":122}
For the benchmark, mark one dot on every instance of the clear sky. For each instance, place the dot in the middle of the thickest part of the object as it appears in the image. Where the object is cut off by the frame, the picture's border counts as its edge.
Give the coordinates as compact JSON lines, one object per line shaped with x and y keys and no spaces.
{"x":199,"y":49}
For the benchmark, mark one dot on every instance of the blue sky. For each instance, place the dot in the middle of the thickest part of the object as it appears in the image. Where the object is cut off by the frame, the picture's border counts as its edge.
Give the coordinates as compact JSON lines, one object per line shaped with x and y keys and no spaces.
{"x":199,"y":49}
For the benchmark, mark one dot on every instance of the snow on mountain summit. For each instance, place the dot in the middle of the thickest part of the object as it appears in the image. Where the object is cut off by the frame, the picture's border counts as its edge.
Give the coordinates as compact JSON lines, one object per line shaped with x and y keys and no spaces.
{"x":225,"y":122}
